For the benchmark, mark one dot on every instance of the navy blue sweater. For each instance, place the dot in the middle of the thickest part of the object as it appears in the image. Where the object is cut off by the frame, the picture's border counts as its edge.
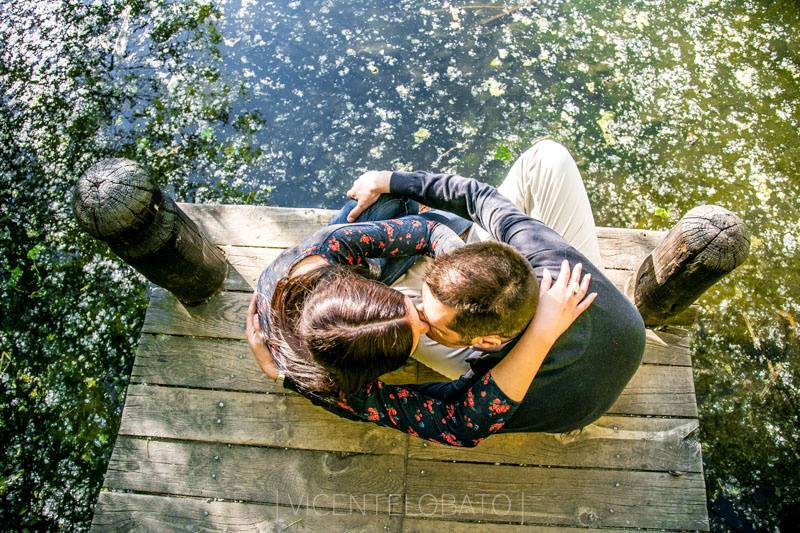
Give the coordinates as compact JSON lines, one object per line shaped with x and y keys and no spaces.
{"x":592,"y":362}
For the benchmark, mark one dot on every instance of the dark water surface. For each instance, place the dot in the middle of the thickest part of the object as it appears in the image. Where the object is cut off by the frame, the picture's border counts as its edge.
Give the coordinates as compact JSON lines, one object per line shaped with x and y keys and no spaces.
{"x":665,"y":105}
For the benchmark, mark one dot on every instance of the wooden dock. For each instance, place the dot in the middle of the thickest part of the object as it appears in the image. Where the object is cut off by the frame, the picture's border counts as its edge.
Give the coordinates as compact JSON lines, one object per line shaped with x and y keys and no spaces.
{"x":207,"y":443}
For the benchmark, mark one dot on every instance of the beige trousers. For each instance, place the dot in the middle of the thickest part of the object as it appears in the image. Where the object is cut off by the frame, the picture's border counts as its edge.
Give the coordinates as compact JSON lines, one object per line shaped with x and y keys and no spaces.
{"x":545,"y":183}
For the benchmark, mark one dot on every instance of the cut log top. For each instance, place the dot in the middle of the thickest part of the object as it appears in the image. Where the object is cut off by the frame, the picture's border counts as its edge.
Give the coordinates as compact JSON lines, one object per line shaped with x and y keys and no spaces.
{"x":717,"y":239}
{"x":115,"y":197}
{"x":115,"y":201}
{"x":706,"y":244}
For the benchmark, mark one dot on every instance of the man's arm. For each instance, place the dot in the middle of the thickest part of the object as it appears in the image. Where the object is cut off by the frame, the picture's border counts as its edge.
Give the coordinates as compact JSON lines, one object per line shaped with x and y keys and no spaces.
{"x":465,"y":197}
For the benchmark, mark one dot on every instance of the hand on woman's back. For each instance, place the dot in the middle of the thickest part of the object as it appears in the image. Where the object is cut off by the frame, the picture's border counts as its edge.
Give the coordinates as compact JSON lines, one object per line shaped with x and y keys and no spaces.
{"x":561,"y":301}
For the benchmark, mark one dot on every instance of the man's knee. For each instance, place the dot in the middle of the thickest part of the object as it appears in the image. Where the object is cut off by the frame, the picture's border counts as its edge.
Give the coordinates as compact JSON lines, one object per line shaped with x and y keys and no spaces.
{"x":550,"y":154}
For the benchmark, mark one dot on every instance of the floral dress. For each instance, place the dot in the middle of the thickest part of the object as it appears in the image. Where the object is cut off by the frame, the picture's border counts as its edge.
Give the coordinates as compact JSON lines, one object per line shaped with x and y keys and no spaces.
{"x":462,"y":412}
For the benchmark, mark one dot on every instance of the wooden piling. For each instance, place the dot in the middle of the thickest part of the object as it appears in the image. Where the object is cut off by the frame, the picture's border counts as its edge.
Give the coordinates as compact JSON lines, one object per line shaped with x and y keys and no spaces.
{"x":116,"y":202}
{"x":707,"y":243}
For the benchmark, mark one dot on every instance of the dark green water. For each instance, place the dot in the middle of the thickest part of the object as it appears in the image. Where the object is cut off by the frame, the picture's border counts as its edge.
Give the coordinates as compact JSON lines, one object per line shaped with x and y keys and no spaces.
{"x":665,"y":104}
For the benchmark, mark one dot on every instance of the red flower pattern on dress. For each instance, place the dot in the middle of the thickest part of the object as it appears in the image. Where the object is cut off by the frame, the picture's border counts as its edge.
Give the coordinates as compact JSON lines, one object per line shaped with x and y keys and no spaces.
{"x":373,"y":414}
{"x":345,"y":406}
{"x":495,"y":427}
{"x":451,"y":439}
{"x":470,"y":401}
{"x":498,"y":408}
{"x":333,"y":244}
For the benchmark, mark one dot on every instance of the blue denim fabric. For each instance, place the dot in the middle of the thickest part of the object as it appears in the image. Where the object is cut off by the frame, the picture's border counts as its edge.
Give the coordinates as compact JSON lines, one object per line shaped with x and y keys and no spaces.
{"x":391,"y":206}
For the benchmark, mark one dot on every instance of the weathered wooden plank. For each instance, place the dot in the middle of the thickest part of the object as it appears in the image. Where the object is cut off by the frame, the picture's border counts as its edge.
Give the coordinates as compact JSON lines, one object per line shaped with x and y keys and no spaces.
{"x":215,"y":364}
{"x":245,"y":265}
{"x":622,"y":442}
{"x":249,"y":418}
{"x":255,"y":474}
{"x":270,"y":420}
{"x":118,"y":511}
{"x":656,"y":390}
{"x":555,"y":496}
{"x":624,"y":248}
{"x":199,"y":362}
{"x":279,"y":227}
{"x":250,"y":225}
{"x":416,"y":525}
{"x":223,"y":317}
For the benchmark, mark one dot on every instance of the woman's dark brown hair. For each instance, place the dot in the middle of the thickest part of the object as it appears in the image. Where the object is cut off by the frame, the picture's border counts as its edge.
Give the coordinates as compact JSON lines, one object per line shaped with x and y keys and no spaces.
{"x":334,"y":330}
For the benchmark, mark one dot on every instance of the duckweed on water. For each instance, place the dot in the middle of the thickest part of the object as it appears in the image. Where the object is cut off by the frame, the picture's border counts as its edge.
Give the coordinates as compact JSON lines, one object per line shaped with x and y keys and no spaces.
{"x":665,"y":105}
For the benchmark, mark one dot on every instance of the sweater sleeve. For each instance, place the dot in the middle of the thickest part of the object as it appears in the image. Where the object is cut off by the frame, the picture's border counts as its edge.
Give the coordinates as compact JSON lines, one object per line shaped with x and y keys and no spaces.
{"x":479,"y":202}
{"x":478,"y":410}
{"x":411,"y":235}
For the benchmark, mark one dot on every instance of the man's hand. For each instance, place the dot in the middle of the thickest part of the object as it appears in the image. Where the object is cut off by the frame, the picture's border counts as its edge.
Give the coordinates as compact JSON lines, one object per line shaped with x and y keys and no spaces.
{"x":367,"y":189}
{"x":256,"y":341}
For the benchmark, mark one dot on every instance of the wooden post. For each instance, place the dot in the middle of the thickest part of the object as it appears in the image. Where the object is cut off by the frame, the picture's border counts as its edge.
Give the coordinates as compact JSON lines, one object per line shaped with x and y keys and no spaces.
{"x":707,"y":243}
{"x":115,"y":201}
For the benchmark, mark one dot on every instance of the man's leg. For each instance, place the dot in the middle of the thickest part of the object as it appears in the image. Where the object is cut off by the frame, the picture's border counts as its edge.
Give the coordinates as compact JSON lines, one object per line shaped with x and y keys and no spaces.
{"x":545,"y":183}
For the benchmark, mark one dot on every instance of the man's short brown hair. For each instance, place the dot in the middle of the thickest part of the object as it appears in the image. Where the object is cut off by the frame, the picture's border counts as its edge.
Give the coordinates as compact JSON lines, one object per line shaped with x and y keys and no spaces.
{"x":490,"y":285}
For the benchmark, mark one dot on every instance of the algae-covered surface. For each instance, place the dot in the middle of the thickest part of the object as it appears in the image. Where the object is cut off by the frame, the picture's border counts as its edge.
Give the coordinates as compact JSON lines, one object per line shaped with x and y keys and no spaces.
{"x":664,"y":104}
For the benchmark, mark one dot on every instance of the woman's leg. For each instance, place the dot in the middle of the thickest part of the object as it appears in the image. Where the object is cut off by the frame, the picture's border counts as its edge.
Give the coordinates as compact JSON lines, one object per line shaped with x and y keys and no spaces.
{"x":545,"y":183}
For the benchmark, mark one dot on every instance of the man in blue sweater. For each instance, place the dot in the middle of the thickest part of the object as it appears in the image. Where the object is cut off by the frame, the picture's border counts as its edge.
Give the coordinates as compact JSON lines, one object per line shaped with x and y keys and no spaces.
{"x":470,"y":296}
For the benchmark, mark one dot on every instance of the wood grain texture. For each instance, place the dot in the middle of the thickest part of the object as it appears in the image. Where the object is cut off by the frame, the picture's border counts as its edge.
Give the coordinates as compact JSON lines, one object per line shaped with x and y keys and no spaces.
{"x":222,"y":316}
{"x":623,"y":248}
{"x":209,"y":426}
{"x":418,"y":525}
{"x":290,"y":421}
{"x":620,"y":442}
{"x":250,"y":225}
{"x":258,"y":475}
{"x":249,"y":418}
{"x":555,"y":496}
{"x":215,"y":364}
{"x":118,"y":511}
{"x":656,"y":390}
